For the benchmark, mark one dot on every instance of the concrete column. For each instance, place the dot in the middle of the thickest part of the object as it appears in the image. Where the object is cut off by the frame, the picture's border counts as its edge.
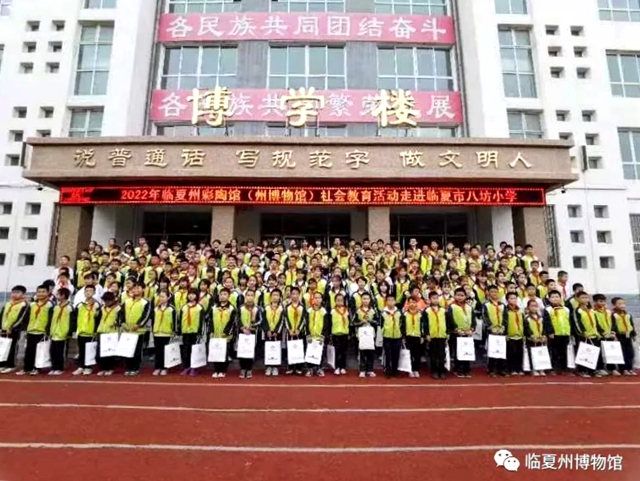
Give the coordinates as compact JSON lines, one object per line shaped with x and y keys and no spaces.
{"x":379,"y":225}
{"x":74,"y":230}
{"x":247,"y":225}
{"x":502,"y":225}
{"x":223,"y":223}
{"x":358,"y":225}
{"x":104,"y":223}
{"x":484,"y":229}
{"x":529,"y":228}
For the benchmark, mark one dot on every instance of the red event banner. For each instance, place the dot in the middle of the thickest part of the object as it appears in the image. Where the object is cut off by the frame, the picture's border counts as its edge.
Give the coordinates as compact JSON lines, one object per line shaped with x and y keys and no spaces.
{"x":239,"y":195}
{"x":327,"y":27}
{"x":341,"y":106}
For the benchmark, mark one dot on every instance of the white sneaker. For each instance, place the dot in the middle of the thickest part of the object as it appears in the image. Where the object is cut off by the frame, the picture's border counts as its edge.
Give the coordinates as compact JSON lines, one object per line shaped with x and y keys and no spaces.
{"x":215,"y":375}
{"x":77,"y":372}
{"x":35,"y":372}
{"x":416,"y":374}
{"x":21,"y":372}
{"x":371,"y":374}
{"x":343,"y":372}
{"x":249,"y":375}
{"x":108,"y":373}
{"x":362,"y":374}
{"x":536,"y":373}
{"x":101,"y":373}
{"x":156,"y":372}
{"x":337,"y":372}
{"x":7,"y":370}
{"x":268,"y":372}
{"x":320,"y":373}
{"x":163,"y":372}
{"x":87,"y":372}
{"x":411,"y":375}
{"x":56,"y":373}
{"x":274,"y":372}
{"x":222,"y":374}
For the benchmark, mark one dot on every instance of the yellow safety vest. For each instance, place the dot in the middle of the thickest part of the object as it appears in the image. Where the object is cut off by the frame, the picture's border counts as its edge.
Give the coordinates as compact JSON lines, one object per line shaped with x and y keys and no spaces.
{"x":494,"y":313}
{"x":623,"y":323}
{"x":437,"y":323}
{"x":273,"y":317}
{"x":604,"y":320}
{"x":560,"y":321}
{"x":515,"y":324}
{"x":461,"y":316}
{"x":133,"y":309}
{"x":340,"y":321}
{"x":536,"y":327}
{"x":190,"y":318}
{"x":221,"y":318}
{"x":163,"y":321}
{"x":413,"y":326}
{"x":109,"y":320}
{"x":61,"y":322}
{"x":87,"y":320}
{"x":391,"y":324}
{"x":588,"y":324}
{"x":316,"y":322}
{"x":39,"y":317}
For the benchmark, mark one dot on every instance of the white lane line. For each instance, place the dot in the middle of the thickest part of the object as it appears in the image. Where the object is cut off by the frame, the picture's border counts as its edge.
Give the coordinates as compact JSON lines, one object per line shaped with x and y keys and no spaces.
{"x":250,"y":385}
{"x":316,"y":410}
{"x":322,"y":450}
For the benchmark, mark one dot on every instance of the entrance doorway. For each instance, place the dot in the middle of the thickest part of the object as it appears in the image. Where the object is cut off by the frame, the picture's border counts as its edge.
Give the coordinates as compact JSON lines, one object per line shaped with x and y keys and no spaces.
{"x":185,"y":226}
{"x":425,"y":228}
{"x":311,"y":227}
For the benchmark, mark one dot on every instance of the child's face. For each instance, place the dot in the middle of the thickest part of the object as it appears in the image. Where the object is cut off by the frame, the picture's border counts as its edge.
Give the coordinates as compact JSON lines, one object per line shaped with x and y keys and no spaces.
{"x":88,"y":294}
{"x":42,"y":294}
{"x":513,"y":301}
{"x":583,"y":300}
{"x":61,"y":299}
{"x":600,"y":304}
{"x":555,"y":299}
{"x":621,"y":305}
{"x":192,"y":297}
{"x":460,"y":297}
{"x":224,"y":296}
{"x":250,"y":297}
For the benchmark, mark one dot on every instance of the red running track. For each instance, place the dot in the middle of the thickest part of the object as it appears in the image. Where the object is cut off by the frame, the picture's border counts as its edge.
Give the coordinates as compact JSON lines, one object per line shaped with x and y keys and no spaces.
{"x":447,"y":432}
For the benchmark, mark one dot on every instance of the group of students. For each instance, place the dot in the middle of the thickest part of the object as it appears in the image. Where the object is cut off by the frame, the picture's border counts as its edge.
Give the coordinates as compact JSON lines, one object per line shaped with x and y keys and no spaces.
{"x":421,"y":299}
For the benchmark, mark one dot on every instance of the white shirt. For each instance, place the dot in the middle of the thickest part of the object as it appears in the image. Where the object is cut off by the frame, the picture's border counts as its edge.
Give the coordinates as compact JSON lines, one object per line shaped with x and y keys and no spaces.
{"x":80,"y":297}
{"x":56,"y":273}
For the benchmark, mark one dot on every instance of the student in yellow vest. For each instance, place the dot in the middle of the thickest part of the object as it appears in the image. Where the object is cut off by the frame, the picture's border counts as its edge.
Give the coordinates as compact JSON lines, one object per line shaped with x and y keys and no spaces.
{"x":136,"y":319}
{"x":205,"y":299}
{"x":366,"y":315}
{"x":14,"y":317}
{"x":41,"y":310}
{"x":87,"y":318}
{"x":272,"y":323}
{"x":340,"y":322}
{"x":401,"y":287}
{"x":493,"y":317}
{"x":513,"y":322}
{"x":317,"y":321}
{"x":180,"y":296}
{"x":461,"y":323}
{"x":558,"y":327}
{"x":224,"y":319}
{"x":534,"y":330}
{"x":625,"y":332}
{"x":414,"y":334}
{"x":60,"y":330}
{"x":191,"y":320}
{"x":250,"y":319}
{"x":295,"y":319}
{"x":604,"y":320}
{"x":165,"y":326}
{"x":436,"y":335}
{"x":110,"y":319}
{"x":587,"y":331}
{"x":336,"y":288}
{"x":392,"y":334}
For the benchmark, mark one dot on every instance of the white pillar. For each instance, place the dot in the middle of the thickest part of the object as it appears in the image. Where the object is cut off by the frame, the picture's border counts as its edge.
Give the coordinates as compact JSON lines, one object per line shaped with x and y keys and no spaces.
{"x":502,"y":225}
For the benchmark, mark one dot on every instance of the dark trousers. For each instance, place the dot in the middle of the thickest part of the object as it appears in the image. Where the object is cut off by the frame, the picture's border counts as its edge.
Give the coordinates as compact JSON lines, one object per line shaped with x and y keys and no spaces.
{"x":188,"y":340}
{"x":30,"y":351}
{"x":220,"y":367}
{"x":627,"y":351}
{"x":159,"y":344}
{"x":558,"y":347}
{"x":11,"y":360}
{"x":57,"y":355}
{"x":133,"y":363}
{"x":366,"y":360}
{"x":461,"y":367}
{"x":515,"y":353}
{"x":105,"y":363}
{"x":391,"y":355}
{"x":246,"y":364}
{"x":341,"y":343}
{"x":415,"y":349}
{"x":437,"y":355}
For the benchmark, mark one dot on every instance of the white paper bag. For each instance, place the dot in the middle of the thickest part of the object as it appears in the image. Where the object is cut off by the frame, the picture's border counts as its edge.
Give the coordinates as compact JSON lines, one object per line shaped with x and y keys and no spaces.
{"x":172,"y":356}
{"x":314,"y":353}
{"x":571,"y":356}
{"x":43,"y":355}
{"x":108,"y":344}
{"x":465,"y":349}
{"x":636,"y":355}
{"x":612,"y":352}
{"x":198,"y":355}
{"x":526,"y":362}
{"x":5,"y":347}
{"x":217,"y":349}
{"x":90,"y":353}
{"x":497,"y":347}
{"x":331,"y":356}
{"x":152,"y":342}
{"x":272,"y":353}
{"x":447,"y":358}
{"x":246,"y":346}
{"x":540,"y":359}
{"x":477,"y":334}
{"x":366,"y":338}
{"x":295,"y":352}
{"x":404,"y":361}
{"x":379,"y":337}
{"x":127,"y":345}
{"x":587,"y":355}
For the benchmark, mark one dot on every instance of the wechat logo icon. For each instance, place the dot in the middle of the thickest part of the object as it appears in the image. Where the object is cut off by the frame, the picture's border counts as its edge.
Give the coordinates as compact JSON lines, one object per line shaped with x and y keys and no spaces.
{"x":506,"y":460}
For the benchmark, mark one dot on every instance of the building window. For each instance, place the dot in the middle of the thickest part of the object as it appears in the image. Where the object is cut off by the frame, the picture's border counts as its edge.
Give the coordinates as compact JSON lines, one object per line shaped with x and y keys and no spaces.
{"x":46,"y":112}
{"x":86,"y":123}
{"x":518,"y":74}
{"x":1,"y":54}
{"x":5,"y":7}
{"x":20,"y":112}
{"x":595,"y":163}
{"x":307,"y":5}
{"x":416,"y":7}
{"x":551,"y":233}
{"x":6,"y":208}
{"x":415,"y":69}
{"x":33,"y":208}
{"x":57,"y":25}
{"x":26,"y":68}
{"x":94,"y":56}
{"x":26,"y":260}
{"x":424,"y":132}
{"x":604,"y":237}
{"x":525,"y":125}
{"x":577,"y":236}
{"x":574,"y":211}
{"x":189,"y":130}
{"x":607,"y":263}
{"x":601,"y":211}
{"x":624,"y":74}
{"x":635,"y":236}
{"x":55,"y":47}
{"x":4,"y":233}
{"x":510,"y":7}
{"x":619,"y":10}
{"x":204,"y":6}
{"x":187,"y":68}
{"x":29,"y":233}
{"x":630,"y":153}
{"x":99,"y":3}
{"x":12,"y":160}
{"x":588,"y":116}
{"x":579,"y":262}
{"x":320,"y":67}
{"x":3,"y":259}
{"x":281,"y":130}
{"x":591,"y":139}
